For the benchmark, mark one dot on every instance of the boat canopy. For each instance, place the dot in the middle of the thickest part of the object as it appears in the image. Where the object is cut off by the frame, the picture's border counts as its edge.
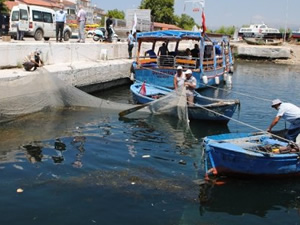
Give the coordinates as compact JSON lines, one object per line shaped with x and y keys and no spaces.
{"x":168,"y":35}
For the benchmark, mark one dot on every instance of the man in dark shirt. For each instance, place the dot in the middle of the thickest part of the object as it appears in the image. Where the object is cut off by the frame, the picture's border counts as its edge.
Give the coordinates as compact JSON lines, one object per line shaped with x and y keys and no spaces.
{"x":109,"y":23}
{"x":195,"y":51}
{"x":163,"y":50}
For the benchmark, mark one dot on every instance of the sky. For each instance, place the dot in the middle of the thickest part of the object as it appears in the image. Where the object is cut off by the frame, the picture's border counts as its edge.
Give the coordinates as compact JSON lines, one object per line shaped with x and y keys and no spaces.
{"x":274,"y":13}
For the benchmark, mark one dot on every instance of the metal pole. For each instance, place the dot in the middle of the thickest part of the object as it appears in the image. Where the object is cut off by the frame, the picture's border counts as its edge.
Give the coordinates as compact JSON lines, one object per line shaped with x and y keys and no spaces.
{"x":286,"y":18}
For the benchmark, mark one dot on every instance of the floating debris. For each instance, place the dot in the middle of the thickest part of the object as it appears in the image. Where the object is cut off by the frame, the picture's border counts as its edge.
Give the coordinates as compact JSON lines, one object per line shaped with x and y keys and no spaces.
{"x":18,"y":167}
{"x":20,"y":190}
{"x":182,"y":162}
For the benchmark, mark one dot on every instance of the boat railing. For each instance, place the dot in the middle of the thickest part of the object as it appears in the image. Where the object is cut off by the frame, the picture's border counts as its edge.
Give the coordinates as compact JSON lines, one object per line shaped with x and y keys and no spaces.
{"x":165,"y":61}
{"x":210,"y":63}
{"x":187,"y":62}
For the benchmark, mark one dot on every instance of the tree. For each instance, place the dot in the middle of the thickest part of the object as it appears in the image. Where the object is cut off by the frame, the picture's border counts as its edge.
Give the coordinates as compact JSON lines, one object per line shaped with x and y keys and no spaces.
{"x":3,"y":8}
{"x":161,"y":10}
{"x":186,"y":22}
{"x":116,"y":14}
{"x":226,"y":30}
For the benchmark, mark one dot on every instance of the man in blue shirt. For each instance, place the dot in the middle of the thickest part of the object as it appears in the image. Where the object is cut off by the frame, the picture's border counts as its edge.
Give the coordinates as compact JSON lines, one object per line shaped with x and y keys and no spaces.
{"x":130,"y":40}
{"x":60,"y":19}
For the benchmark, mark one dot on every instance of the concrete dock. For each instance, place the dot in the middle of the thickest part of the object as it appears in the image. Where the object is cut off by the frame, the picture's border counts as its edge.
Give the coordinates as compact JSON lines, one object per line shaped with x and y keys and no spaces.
{"x":91,"y":66}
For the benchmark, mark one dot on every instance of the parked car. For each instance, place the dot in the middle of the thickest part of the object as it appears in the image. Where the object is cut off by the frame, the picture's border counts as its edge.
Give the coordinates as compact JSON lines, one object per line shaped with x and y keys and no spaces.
{"x":36,"y":21}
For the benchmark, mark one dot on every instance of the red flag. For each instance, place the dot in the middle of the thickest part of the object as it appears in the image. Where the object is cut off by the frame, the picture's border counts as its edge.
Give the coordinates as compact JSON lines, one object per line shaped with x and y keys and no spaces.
{"x":143,"y":89}
{"x":203,"y":22}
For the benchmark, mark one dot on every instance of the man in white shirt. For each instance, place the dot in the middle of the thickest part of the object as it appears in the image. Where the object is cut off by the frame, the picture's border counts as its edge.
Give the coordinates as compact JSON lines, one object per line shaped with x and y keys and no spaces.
{"x":60,"y":19}
{"x":290,"y":113}
{"x":190,"y":83}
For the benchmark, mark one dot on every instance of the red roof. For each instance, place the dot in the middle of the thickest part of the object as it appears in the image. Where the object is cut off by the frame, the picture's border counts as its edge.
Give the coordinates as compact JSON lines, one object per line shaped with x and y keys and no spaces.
{"x":165,"y":26}
{"x":44,"y":3}
{"x":10,"y":4}
{"x":49,"y":4}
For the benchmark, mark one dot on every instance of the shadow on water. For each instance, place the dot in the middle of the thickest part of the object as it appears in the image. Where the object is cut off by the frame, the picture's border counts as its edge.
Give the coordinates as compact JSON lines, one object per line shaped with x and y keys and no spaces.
{"x":241,"y":201}
{"x":256,"y":197}
{"x":28,"y":132}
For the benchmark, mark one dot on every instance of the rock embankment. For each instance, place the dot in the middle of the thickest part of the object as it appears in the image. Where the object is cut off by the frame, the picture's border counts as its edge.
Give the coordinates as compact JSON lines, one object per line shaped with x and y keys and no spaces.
{"x":283,"y":54}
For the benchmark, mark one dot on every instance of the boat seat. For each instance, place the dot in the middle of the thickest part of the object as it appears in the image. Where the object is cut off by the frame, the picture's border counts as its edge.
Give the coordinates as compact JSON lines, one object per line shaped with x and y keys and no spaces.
{"x":146,"y":61}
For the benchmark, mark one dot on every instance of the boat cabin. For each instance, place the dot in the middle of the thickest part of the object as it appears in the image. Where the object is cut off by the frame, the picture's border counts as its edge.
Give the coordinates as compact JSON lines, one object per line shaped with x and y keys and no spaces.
{"x":259,"y":30}
{"x":159,"y":53}
{"x":186,"y":49}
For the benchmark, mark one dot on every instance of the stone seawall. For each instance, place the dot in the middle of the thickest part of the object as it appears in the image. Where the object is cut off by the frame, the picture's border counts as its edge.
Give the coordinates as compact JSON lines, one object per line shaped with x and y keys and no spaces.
{"x":284,"y":54}
{"x":57,"y":53}
{"x":90,"y":66}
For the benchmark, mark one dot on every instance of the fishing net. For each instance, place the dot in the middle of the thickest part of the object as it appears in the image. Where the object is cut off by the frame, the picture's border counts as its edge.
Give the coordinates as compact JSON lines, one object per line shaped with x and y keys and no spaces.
{"x":174,"y":104}
{"x":43,"y":91}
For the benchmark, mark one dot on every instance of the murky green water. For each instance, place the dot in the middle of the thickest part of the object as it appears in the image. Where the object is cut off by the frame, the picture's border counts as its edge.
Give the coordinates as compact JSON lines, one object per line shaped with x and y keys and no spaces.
{"x":90,"y":167}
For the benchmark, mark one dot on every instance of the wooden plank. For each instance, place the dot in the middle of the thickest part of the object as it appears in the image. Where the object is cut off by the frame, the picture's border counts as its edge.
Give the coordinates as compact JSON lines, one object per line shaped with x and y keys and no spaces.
{"x":144,"y":61}
{"x":186,"y":61}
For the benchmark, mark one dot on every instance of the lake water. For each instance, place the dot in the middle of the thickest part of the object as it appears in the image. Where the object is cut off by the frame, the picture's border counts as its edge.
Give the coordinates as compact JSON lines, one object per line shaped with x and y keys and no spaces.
{"x":88,"y":166}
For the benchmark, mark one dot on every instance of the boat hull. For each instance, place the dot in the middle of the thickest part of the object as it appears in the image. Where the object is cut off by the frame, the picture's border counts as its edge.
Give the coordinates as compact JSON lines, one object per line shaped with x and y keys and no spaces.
{"x":232,"y":160}
{"x":165,"y":77}
{"x":204,"y":106}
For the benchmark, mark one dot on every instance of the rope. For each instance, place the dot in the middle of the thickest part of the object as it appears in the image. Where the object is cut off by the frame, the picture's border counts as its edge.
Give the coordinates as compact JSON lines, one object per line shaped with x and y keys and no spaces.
{"x":236,"y":92}
{"x":223,"y":89}
{"x":245,"y":124}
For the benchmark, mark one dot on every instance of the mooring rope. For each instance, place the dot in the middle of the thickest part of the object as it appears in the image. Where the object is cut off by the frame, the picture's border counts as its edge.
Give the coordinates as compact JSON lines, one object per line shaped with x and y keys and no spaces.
{"x":223,"y":89}
{"x":236,"y":92}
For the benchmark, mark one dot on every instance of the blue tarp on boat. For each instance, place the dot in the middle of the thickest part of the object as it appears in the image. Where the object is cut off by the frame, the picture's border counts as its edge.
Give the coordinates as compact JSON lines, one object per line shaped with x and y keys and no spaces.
{"x":170,"y":33}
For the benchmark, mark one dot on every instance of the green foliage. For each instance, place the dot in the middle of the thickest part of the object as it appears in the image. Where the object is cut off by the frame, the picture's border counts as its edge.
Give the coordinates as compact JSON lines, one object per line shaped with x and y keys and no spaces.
{"x":186,"y":22}
{"x":3,"y":8}
{"x":116,"y":14}
{"x":225,"y":30}
{"x":161,"y":10}
{"x":282,"y":30}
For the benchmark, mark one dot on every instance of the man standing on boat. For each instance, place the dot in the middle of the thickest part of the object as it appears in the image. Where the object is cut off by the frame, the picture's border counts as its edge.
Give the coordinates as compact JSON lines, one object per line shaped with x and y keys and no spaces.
{"x":290,"y":113}
{"x":163,"y":50}
{"x":179,"y":77}
{"x":190,"y":84}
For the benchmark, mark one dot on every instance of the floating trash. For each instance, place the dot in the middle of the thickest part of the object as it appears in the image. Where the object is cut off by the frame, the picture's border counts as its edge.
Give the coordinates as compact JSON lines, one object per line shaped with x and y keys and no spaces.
{"x":20,"y":190}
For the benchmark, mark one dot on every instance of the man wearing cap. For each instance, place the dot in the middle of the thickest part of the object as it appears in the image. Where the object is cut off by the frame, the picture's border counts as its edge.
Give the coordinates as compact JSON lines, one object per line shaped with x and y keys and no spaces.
{"x":190,"y":84}
{"x":179,"y":77}
{"x":290,"y":113}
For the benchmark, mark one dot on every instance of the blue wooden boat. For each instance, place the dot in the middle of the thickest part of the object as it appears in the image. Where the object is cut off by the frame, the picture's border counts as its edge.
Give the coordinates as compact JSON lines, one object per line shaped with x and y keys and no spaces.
{"x":203,"y":108}
{"x":250,"y":154}
{"x":210,"y":64}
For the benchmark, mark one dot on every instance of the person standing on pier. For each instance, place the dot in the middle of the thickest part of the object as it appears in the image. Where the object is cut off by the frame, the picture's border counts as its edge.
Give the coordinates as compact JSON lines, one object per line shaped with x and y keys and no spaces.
{"x":109,"y":24}
{"x":60,"y":19}
{"x":130,"y":41}
{"x":290,"y":113}
{"x":81,"y":18}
